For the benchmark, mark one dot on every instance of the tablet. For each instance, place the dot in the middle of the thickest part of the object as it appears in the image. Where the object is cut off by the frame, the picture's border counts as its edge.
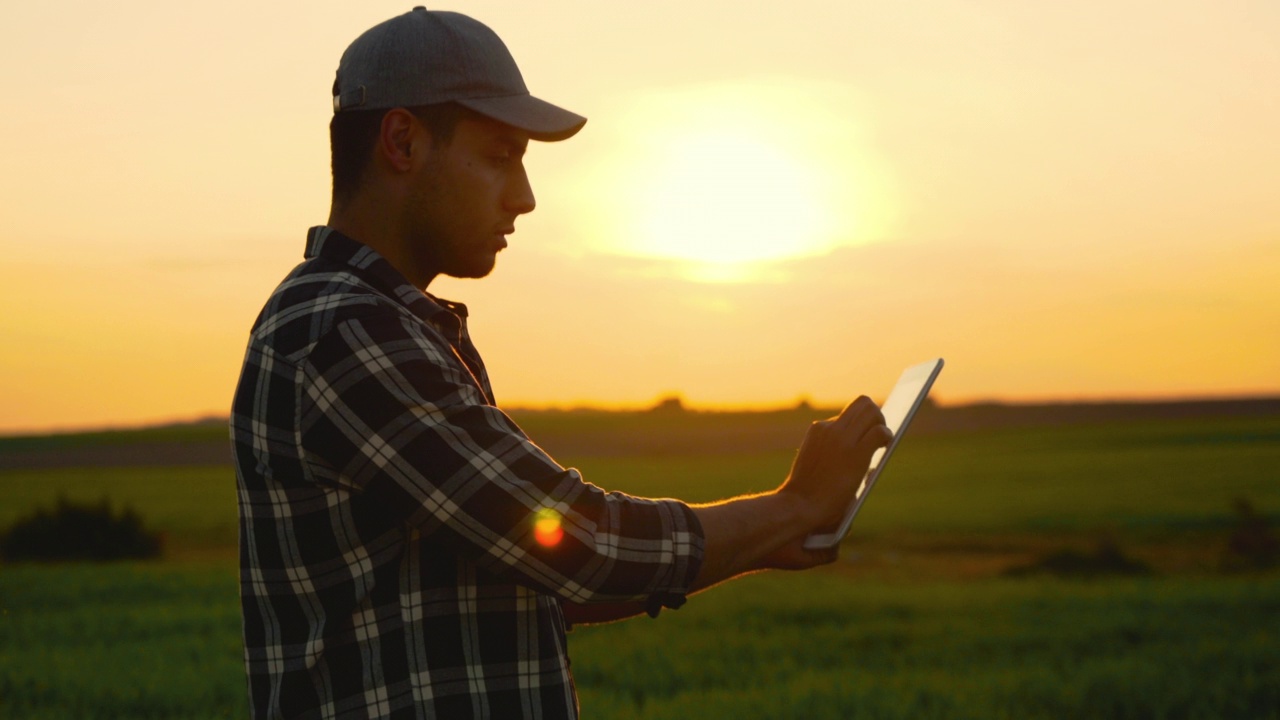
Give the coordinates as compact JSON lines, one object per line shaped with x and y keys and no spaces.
{"x":907,"y":396}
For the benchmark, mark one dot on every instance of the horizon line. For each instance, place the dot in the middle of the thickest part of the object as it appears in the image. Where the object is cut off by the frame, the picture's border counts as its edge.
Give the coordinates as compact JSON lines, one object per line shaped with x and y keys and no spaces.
{"x":677,"y":401}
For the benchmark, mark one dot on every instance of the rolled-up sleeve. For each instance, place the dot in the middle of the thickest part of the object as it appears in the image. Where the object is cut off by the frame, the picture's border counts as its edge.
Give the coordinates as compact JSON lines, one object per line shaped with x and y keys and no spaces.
{"x":392,"y":417}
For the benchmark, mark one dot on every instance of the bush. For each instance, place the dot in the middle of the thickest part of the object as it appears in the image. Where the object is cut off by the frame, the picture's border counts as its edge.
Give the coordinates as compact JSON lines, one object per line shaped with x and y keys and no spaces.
{"x":1251,"y":545}
{"x":1106,"y":559}
{"x":73,"y":531}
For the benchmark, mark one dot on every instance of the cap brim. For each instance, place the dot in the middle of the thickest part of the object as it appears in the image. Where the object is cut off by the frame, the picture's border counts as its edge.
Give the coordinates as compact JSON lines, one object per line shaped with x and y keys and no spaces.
{"x":542,"y":120}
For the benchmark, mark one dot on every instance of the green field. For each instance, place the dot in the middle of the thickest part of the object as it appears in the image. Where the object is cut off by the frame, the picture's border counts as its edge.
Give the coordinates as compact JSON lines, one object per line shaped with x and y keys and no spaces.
{"x":916,"y":620}
{"x":163,"y":642}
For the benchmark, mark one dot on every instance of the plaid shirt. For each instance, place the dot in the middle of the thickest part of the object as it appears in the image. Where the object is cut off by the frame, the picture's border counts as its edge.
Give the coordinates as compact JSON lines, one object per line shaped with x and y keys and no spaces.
{"x":389,"y":561}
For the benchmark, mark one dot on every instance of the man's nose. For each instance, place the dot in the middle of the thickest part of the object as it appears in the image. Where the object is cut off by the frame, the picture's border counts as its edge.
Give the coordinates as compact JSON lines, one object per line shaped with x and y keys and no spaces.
{"x":519,"y":197}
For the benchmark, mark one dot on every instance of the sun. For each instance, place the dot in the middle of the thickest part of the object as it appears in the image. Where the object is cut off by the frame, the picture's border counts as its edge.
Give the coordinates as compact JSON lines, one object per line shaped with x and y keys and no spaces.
{"x":730,"y":197}
{"x":722,"y":182}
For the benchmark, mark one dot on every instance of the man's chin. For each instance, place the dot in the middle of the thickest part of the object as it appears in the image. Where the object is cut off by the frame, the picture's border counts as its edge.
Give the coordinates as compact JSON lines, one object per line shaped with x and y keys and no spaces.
{"x":473,"y":271}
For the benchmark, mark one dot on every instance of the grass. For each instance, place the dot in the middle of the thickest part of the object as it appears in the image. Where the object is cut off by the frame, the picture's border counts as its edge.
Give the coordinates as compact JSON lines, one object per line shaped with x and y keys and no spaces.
{"x":162,"y":641}
{"x":120,"y":641}
{"x":819,"y":646}
{"x":890,"y":632}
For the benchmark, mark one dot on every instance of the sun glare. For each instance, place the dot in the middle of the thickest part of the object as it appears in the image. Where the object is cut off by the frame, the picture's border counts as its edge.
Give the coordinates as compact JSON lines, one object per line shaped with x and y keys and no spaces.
{"x":723,"y":180}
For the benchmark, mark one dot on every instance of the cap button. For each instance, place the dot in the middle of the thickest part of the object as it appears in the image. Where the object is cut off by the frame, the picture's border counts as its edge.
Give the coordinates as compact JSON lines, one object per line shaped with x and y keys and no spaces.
{"x":416,"y":8}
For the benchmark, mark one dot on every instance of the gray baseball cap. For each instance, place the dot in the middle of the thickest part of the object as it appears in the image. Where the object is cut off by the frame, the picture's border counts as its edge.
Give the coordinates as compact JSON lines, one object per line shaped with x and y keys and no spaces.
{"x":426,"y":57}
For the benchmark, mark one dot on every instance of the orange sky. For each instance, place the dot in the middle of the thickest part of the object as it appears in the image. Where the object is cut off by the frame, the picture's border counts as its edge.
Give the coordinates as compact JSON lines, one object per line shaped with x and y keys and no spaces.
{"x":771,"y":200}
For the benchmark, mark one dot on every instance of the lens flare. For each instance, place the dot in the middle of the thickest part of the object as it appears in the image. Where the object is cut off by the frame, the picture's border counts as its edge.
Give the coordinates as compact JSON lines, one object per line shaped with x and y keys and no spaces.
{"x":546,"y":528}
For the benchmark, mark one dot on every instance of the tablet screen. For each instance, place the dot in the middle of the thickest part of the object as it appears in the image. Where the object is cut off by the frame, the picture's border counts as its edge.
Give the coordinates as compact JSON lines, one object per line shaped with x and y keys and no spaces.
{"x":901,"y":405}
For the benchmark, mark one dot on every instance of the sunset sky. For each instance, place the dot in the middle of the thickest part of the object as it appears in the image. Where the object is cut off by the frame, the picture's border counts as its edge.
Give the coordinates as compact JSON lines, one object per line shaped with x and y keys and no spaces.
{"x":770,"y":200}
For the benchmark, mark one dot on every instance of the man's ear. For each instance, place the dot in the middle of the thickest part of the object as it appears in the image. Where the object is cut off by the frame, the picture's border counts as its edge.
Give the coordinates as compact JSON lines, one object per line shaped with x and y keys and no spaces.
{"x":402,"y":141}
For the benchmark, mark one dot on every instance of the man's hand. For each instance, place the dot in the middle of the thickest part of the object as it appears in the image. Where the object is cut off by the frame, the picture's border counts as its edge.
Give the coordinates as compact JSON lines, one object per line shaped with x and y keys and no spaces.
{"x":769,"y":530}
{"x":825,"y":477}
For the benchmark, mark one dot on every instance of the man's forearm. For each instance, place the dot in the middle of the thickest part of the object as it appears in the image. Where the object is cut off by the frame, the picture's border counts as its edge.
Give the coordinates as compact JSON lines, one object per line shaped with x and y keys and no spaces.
{"x":746,"y":534}
{"x":741,"y":535}
{"x":765,"y":531}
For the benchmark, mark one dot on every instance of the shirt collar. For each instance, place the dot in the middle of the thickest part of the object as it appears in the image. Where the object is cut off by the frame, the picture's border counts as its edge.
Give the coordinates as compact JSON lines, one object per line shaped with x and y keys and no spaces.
{"x":329,"y":244}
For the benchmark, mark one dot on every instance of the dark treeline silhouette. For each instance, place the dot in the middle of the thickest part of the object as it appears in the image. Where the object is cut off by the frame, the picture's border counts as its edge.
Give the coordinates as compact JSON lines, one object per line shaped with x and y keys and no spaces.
{"x":985,"y":416}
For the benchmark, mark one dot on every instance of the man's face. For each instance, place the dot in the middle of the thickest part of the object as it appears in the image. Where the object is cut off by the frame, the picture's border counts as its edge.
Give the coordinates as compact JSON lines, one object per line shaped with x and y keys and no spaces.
{"x":466,"y":197}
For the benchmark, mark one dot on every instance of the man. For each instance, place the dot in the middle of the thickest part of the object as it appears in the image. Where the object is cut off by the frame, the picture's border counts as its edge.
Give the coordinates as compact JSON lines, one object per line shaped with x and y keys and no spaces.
{"x":406,"y":551}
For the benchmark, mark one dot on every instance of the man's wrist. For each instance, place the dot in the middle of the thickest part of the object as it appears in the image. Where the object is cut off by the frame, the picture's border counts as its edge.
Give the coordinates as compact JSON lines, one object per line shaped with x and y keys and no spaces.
{"x":802,"y":514}
{"x":743,"y":533}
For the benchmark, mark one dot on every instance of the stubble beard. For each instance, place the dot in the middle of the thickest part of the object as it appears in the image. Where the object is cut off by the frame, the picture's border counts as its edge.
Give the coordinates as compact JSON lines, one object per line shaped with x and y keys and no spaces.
{"x":433,"y":250}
